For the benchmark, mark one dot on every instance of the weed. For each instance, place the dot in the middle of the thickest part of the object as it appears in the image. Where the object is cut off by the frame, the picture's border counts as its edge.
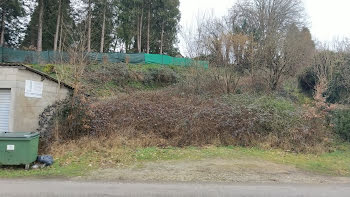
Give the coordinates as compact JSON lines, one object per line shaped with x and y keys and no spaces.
{"x":341,"y":122}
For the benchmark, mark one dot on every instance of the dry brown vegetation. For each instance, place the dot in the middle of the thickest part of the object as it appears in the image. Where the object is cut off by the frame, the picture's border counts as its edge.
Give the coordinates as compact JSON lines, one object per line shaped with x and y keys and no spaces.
{"x":171,"y":120}
{"x":240,"y":100}
{"x":167,"y":117}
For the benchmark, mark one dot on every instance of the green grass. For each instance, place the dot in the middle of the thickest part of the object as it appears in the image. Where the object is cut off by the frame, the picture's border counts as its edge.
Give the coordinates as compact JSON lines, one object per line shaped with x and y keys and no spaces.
{"x":107,"y":88}
{"x":57,"y":170}
{"x":144,"y":87}
{"x":336,"y":163}
{"x":147,"y":67}
{"x":80,"y":162}
{"x":291,"y":87}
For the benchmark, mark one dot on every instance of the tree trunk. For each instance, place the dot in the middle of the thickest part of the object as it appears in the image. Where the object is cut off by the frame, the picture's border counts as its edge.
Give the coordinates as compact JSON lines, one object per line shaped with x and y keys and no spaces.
{"x":139,"y":32}
{"x":89,"y":28}
{"x":161,"y":39}
{"x":40,"y":26}
{"x":57,"y":26}
{"x":126,"y":46}
{"x":148,"y":28}
{"x":116,"y":42}
{"x":2,"y":36}
{"x":103,"y":28}
{"x":63,"y":40}
{"x":61,"y":33}
{"x":141,"y":25}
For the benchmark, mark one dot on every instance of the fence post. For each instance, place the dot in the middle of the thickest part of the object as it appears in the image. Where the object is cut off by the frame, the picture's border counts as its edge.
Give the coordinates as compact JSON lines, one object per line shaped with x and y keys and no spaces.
{"x":2,"y":54}
{"x":48,"y":57}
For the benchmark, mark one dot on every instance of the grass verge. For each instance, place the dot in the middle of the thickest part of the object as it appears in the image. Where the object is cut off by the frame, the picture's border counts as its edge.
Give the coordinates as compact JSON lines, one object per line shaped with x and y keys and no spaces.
{"x":79,"y":162}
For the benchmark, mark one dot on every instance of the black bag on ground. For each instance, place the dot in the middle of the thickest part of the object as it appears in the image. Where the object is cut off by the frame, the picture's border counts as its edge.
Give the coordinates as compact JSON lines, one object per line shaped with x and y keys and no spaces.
{"x":46,"y":159}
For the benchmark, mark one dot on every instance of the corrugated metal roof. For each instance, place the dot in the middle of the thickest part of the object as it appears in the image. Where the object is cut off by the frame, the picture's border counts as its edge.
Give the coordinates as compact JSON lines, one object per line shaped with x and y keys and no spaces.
{"x":36,"y":72}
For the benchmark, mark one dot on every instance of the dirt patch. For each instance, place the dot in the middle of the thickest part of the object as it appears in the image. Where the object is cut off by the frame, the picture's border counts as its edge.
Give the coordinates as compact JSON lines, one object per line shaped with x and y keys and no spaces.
{"x":214,"y":171}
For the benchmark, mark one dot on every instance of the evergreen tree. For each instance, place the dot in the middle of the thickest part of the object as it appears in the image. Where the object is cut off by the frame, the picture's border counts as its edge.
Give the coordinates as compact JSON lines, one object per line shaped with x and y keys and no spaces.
{"x":10,"y":27}
{"x":162,"y":18}
{"x":103,"y":23}
{"x":50,"y":13}
{"x":126,"y":23}
{"x":142,"y":25}
{"x":171,"y":17}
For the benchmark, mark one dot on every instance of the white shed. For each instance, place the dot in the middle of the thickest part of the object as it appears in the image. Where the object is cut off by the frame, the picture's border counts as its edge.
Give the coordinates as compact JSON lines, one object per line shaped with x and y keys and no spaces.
{"x":24,"y":94}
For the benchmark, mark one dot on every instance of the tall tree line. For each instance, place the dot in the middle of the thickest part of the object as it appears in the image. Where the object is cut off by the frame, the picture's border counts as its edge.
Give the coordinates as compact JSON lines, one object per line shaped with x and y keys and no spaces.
{"x":10,"y":25}
{"x":133,"y":26}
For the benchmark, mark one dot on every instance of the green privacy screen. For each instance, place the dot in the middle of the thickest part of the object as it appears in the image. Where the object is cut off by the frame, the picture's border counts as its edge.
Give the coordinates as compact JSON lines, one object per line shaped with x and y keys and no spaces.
{"x":168,"y":60}
{"x":136,"y":58}
{"x":11,"y":55}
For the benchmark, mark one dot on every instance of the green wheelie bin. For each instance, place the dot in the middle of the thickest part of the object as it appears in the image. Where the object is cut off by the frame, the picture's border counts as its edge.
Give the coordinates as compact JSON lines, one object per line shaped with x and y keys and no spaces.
{"x":19,"y":148}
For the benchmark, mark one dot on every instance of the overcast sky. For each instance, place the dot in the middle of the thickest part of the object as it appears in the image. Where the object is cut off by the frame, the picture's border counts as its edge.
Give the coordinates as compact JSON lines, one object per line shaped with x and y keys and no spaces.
{"x":328,"y":19}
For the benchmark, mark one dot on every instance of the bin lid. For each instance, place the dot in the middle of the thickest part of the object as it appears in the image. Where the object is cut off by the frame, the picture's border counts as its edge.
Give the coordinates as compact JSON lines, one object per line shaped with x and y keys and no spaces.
{"x":25,"y":135}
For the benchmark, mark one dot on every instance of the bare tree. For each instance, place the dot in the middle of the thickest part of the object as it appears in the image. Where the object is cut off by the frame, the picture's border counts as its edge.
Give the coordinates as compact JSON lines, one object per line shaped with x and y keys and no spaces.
{"x":225,"y":51}
{"x":287,"y":58}
{"x":325,"y":63}
{"x":268,"y":17}
{"x":268,"y":21}
{"x":73,"y":73}
{"x":193,"y":36}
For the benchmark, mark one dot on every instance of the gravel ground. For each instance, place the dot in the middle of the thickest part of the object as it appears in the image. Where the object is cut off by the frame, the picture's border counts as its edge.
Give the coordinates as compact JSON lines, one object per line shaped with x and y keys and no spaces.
{"x":214,"y":171}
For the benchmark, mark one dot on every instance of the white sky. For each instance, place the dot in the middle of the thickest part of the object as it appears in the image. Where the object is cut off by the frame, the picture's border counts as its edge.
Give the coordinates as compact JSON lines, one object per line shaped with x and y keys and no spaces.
{"x":328,"y":19}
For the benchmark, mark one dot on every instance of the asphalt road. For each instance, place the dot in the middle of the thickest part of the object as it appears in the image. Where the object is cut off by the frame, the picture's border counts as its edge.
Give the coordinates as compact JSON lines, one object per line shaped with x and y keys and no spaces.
{"x":37,"y":188}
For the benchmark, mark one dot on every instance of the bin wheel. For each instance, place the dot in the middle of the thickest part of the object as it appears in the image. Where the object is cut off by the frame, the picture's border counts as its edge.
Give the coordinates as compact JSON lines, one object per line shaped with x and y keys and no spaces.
{"x":26,"y":167}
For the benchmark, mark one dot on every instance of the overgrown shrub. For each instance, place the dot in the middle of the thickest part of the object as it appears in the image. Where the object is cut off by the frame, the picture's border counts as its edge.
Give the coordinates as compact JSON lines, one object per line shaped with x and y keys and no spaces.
{"x":277,"y":119}
{"x":292,"y":91}
{"x":338,"y":90}
{"x":161,"y":75}
{"x":211,"y":82}
{"x":167,"y":119}
{"x":49,"y":68}
{"x":308,"y":81}
{"x":194,"y":112}
{"x":329,"y":78}
{"x":64,"y":120}
{"x":104,"y":79}
{"x":199,"y":81}
{"x":341,"y":123}
{"x":103,"y":73}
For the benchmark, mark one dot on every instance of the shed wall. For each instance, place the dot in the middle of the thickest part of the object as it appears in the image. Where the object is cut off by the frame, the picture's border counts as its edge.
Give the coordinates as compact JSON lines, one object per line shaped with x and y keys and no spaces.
{"x":8,"y":77}
{"x":25,"y":111}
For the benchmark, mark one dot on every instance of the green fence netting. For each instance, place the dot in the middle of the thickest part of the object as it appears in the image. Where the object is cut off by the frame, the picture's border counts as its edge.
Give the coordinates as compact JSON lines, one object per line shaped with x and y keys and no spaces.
{"x":117,"y":57}
{"x":168,"y":60}
{"x":10,"y":55}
